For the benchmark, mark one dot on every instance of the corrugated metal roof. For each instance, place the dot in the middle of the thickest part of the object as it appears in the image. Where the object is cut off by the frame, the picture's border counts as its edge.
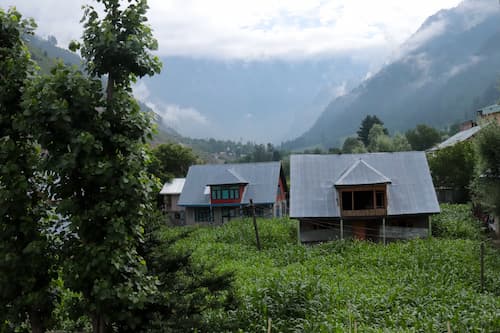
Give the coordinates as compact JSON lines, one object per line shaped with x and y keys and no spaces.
{"x":173,"y":187}
{"x":459,"y":137}
{"x":313,"y":177}
{"x":262,"y":179}
{"x":361,"y":173}
{"x":225,"y":176}
{"x":490,"y":109}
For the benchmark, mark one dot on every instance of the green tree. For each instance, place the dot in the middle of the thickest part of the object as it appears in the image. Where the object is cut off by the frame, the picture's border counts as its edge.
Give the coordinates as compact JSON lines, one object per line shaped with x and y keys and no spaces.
{"x":353,"y":145}
{"x":486,"y":182}
{"x":453,"y":167}
{"x":378,"y":140}
{"x":96,"y":145}
{"x":26,"y":255}
{"x":423,"y":137}
{"x":171,"y":160}
{"x":366,"y":126}
{"x":400,"y":143}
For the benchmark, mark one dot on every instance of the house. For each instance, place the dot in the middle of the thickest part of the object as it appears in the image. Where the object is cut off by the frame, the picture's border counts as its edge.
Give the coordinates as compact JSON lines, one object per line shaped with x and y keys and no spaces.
{"x":375,"y":196}
{"x":462,"y":136}
{"x":170,"y":193}
{"x":488,"y":114}
{"x":217,"y":193}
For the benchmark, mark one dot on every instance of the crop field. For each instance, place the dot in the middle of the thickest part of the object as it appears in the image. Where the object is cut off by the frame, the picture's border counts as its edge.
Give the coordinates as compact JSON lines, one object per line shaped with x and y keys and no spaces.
{"x":429,"y":285}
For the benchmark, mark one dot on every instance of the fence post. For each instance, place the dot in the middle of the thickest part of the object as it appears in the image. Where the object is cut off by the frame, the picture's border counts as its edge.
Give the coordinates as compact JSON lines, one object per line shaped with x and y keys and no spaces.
{"x":269,"y":325}
{"x":482,"y":266}
{"x":255,"y":224}
{"x":341,"y":229}
{"x":429,"y":222}
{"x":383,"y":229}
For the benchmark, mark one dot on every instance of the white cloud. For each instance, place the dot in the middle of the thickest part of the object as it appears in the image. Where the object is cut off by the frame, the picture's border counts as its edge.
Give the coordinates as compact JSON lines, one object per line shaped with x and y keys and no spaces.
{"x":457,"y":69}
{"x":256,"y":29}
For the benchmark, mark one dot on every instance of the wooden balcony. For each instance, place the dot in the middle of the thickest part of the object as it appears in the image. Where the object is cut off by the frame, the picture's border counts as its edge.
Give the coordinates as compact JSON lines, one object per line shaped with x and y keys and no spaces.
{"x":364,"y":212}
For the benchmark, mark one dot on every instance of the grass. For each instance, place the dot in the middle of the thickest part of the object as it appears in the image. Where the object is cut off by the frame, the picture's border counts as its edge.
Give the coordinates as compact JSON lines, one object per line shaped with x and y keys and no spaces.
{"x":412,"y":286}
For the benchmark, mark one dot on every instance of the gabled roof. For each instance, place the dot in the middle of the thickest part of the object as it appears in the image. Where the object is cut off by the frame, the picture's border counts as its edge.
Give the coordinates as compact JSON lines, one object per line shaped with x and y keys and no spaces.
{"x":459,"y":137}
{"x":173,"y":187}
{"x":361,"y":173}
{"x":225,"y":176}
{"x":313,"y":180}
{"x":261,"y":181}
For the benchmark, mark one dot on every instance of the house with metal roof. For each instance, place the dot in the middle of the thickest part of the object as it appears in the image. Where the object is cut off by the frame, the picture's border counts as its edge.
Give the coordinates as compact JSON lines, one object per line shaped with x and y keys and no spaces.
{"x":373,"y":196}
{"x":461,"y":136}
{"x":217,"y":193}
{"x":169,"y":194}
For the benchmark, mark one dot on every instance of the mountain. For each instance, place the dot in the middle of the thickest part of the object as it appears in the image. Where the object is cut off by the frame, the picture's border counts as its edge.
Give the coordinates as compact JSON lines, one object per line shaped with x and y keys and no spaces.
{"x":440,"y":75}
{"x":259,"y":100}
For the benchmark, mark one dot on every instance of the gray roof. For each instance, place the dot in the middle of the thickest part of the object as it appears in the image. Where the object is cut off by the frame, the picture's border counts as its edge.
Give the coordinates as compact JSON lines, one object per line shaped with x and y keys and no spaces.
{"x":173,"y":187}
{"x":224,"y":176}
{"x":490,"y":109}
{"x":361,"y":173}
{"x":313,"y":178}
{"x":459,"y":137}
{"x":261,"y":178}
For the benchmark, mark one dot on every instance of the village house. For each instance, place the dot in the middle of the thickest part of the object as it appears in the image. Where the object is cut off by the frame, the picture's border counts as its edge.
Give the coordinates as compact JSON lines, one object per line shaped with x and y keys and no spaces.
{"x":169,"y":194}
{"x":375,"y":196}
{"x":217,"y":193}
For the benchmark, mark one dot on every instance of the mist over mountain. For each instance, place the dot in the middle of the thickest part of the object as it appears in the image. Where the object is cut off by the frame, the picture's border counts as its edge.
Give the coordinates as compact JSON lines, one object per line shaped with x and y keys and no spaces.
{"x":261,"y":101}
{"x":441,"y":75}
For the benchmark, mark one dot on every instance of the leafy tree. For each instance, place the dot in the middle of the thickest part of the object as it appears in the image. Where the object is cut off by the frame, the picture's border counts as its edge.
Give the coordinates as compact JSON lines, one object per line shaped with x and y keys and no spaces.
{"x":423,"y":137}
{"x":366,"y":126}
{"x":378,"y":140}
{"x":400,"y":143}
{"x":486,"y":182}
{"x":453,"y":167}
{"x":26,"y":256}
{"x":95,"y":144}
{"x":171,"y":160}
{"x":353,"y":145}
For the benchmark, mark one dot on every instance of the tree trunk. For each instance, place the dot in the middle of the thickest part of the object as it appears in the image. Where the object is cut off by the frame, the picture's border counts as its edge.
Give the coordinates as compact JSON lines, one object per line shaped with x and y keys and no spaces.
{"x":36,"y":322}
{"x":110,"y":88}
{"x":98,"y":324}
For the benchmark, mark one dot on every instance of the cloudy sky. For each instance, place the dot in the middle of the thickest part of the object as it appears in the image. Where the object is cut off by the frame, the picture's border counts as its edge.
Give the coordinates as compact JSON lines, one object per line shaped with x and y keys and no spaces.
{"x":256,"y":29}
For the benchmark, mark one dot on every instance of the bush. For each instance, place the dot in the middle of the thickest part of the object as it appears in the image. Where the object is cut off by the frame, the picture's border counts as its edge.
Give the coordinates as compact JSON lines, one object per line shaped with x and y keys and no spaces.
{"x":456,"y":222}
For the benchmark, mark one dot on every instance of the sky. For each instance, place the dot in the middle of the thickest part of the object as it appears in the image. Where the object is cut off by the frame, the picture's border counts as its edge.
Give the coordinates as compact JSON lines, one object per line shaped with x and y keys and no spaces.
{"x":255,"y":29}
{"x":370,"y":32}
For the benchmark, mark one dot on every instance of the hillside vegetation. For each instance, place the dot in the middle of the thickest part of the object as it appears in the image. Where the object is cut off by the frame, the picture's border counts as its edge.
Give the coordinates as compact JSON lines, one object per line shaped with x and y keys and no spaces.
{"x":413,"y":286}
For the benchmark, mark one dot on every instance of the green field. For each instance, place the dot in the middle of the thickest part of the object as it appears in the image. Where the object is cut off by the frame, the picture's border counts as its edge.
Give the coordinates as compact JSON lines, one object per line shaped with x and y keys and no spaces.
{"x":348,"y":286}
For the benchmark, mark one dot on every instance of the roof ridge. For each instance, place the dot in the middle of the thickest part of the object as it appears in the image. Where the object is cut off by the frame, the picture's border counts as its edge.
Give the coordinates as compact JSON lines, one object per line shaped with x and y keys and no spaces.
{"x":360,"y":161}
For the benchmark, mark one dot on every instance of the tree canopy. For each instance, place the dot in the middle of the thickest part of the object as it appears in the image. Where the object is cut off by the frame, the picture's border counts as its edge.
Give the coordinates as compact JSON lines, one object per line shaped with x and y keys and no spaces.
{"x":423,"y":137}
{"x":171,"y":160}
{"x":26,"y":257}
{"x":366,"y":126}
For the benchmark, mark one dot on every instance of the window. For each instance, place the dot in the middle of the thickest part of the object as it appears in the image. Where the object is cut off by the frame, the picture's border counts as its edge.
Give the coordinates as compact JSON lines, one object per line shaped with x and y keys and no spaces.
{"x":225,"y":192}
{"x":363,"y":200}
{"x":202,"y":215}
{"x":380,"y":199}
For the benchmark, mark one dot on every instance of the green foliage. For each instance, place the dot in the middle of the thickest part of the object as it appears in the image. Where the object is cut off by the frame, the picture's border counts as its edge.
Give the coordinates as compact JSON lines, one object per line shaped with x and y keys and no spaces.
{"x":453,"y":167}
{"x":353,"y":146}
{"x":171,"y":160}
{"x":486,"y":182}
{"x":456,"y":222}
{"x":366,"y":126}
{"x":262,"y":153}
{"x":413,"y":286}
{"x":119,"y":44}
{"x":26,"y":254}
{"x":423,"y":137}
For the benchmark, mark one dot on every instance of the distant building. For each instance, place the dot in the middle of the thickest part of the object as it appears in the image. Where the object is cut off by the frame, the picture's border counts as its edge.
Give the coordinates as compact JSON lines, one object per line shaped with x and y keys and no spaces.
{"x":377,"y":196}
{"x":217,"y":193}
{"x":489,"y":113}
{"x":457,"y":138}
{"x":170,"y":194}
